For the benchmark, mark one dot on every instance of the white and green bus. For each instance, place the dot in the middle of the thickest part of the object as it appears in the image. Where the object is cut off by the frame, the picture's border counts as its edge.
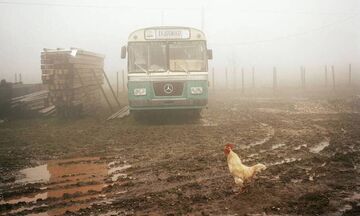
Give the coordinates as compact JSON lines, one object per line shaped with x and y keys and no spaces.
{"x":167,"y":69}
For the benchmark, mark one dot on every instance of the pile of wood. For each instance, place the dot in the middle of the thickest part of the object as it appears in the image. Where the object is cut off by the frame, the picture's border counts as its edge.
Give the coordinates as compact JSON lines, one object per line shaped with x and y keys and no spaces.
{"x":74,"y":78}
{"x":33,"y":104}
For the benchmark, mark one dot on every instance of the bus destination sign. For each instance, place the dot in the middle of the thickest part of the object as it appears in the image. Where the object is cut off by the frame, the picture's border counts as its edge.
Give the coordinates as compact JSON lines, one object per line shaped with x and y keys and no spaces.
{"x":163,"y":34}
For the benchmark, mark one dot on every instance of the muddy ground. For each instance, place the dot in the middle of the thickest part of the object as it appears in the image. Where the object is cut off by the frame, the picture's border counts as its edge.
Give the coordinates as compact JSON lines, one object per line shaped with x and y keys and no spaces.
{"x":176,"y":166}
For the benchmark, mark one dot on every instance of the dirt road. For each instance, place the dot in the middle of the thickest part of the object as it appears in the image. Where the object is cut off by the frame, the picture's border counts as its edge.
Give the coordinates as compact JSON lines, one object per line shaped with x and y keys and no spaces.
{"x":177,"y":166}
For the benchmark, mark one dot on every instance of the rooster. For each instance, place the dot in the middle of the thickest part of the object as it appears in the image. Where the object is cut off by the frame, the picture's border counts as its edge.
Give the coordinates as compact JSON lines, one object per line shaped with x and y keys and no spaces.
{"x":239,"y":171}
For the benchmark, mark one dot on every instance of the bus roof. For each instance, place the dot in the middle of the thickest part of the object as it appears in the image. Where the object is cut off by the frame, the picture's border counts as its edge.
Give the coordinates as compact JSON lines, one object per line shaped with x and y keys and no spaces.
{"x":163,"y":33}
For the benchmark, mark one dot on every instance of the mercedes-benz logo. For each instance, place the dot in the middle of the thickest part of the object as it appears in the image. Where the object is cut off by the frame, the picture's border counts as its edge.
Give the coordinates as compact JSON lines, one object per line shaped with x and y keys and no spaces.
{"x":168,"y":88}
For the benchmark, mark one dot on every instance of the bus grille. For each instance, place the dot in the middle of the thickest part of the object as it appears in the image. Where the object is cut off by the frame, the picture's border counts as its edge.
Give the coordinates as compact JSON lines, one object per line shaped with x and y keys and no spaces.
{"x":168,"y":88}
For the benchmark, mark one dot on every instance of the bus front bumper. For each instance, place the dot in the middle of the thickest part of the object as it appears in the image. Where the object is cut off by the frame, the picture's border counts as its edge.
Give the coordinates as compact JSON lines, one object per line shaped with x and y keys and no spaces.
{"x":174,"y":103}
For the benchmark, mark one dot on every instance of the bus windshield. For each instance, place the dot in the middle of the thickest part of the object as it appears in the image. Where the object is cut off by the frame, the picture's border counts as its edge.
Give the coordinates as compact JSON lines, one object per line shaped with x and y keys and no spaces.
{"x":187,"y":56}
{"x":147,"y":57}
{"x":161,"y":56}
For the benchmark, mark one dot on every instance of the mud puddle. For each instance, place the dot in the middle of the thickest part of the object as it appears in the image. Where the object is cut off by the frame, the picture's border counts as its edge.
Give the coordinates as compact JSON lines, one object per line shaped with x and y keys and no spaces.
{"x":269,"y":131}
{"x":72,"y":180}
{"x":207,"y":123}
{"x":277,"y":146}
{"x":319,"y":147}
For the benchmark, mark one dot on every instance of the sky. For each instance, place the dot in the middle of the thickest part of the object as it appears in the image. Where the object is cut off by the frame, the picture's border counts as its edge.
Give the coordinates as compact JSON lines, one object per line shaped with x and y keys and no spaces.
{"x":242,"y":33}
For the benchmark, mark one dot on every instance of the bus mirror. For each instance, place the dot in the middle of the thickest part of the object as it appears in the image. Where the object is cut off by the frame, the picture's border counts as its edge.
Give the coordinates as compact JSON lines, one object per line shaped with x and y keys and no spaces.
{"x":123,"y":52}
{"x":209,"y":54}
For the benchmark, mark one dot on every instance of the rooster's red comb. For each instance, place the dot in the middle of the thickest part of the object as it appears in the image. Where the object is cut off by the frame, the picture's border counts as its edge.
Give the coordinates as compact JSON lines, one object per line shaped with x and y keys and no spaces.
{"x":230,"y":145}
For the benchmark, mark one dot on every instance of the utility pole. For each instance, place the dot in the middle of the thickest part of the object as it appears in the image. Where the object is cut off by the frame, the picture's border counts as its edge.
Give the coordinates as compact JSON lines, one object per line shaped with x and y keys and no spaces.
{"x":162,"y":17}
{"x":202,"y":18}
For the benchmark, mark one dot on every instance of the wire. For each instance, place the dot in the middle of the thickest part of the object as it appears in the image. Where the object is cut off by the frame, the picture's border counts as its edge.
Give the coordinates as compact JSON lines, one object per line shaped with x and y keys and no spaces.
{"x":88,"y":6}
{"x":200,"y":9}
{"x":287,"y":36}
{"x":155,"y":8}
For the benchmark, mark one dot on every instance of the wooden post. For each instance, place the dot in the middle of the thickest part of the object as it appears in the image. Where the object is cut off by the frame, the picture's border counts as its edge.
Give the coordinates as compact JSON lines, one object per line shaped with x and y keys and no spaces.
{"x":304,"y":77}
{"x":234,"y":71}
{"x":123,"y":80}
{"x":242,"y":81}
{"x":333,"y":76}
{"x":117,"y":84}
{"x":302,"y":70}
{"x":226,"y":78}
{"x":15,"y":77}
{"x":102,"y":90}
{"x":326,"y":77}
{"x":253,"y":77}
{"x":213,"y":78}
{"x":350,"y":75}
{"x":111,"y":89}
{"x":275,"y":84}
{"x":301,"y":76}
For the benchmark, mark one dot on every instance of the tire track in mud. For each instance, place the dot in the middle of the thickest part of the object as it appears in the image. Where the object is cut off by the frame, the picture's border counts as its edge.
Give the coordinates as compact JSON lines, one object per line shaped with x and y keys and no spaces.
{"x":184,"y":170}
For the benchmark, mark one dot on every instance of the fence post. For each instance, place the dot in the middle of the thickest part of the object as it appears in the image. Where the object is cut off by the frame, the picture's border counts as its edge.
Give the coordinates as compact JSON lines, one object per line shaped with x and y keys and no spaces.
{"x":242,"y":81}
{"x":226,"y":78}
{"x":117,"y":83}
{"x":333,"y":76}
{"x":253,"y":77}
{"x":275,"y":83}
{"x":235,"y":82}
{"x":303,"y":77}
{"x":350,"y":75}
{"x":123,"y":80}
{"x":326,"y":77}
{"x":213,"y":78}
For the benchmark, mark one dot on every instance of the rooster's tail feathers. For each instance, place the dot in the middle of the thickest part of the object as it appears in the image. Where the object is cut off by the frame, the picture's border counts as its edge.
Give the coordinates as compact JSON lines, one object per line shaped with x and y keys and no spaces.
{"x":259,"y":167}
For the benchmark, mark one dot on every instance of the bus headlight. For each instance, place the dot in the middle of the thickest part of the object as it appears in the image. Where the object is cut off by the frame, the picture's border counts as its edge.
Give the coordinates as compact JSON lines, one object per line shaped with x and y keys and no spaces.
{"x":196,"y":90}
{"x":140,"y":91}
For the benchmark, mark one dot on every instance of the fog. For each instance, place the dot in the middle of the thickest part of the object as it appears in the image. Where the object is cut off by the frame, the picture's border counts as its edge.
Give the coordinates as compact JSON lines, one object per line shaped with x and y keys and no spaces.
{"x":260,"y":33}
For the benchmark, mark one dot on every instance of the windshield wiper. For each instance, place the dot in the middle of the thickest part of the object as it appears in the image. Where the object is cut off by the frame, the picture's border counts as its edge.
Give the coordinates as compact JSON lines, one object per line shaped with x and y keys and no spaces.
{"x":156,"y":68}
{"x":143,"y":69}
{"x":184,"y":68}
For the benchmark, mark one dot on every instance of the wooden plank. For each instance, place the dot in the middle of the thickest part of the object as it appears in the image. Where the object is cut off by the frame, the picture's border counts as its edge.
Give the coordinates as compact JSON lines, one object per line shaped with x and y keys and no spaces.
{"x":120,"y":114}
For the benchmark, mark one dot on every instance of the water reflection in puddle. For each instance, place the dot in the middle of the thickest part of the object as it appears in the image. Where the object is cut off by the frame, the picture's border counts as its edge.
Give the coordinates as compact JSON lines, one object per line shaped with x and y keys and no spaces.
{"x":72,"y":179}
{"x":284,"y":161}
{"x":319,"y":147}
{"x":35,"y":174}
{"x":300,"y":146}
{"x":276,"y":146}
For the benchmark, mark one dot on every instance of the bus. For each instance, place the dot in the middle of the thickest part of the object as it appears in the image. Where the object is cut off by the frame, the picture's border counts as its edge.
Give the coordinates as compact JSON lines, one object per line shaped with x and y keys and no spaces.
{"x":167,"y":69}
